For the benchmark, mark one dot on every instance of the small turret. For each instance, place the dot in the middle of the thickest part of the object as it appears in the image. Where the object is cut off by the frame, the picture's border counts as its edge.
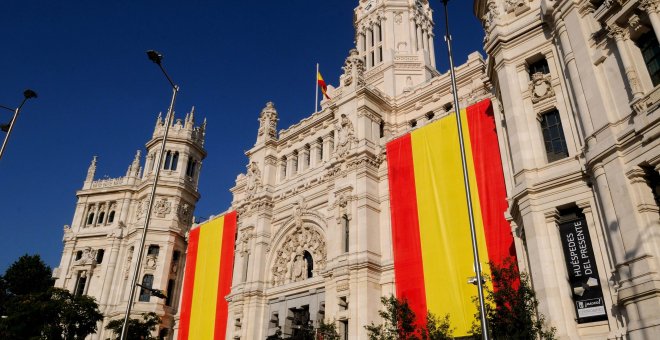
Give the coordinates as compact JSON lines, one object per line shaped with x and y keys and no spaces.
{"x":267,"y":124}
{"x":134,"y":168}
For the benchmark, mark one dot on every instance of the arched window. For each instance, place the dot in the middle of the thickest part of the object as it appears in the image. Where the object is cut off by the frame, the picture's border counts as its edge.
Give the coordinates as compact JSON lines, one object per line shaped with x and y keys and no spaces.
{"x":101,"y":217}
{"x":111,"y":217}
{"x":295,"y":162}
{"x":90,"y":218}
{"x":346,"y":230}
{"x":310,"y":263}
{"x":168,"y":160}
{"x":147,"y":282}
{"x":308,"y":157}
{"x":190,"y":167}
{"x":175,"y":160}
{"x":284,"y":165}
{"x":320,"y":155}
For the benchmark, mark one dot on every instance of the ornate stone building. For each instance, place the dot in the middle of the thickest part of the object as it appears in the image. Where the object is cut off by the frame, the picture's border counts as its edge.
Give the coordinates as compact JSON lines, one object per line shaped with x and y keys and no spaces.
{"x":314,"y":238}
{"x":101,"y":243}
{"x":578,"y":82}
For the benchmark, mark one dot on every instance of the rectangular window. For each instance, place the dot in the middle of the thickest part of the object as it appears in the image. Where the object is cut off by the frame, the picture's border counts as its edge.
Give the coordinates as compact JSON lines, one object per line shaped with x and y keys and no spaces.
{"x":145,"y":293}
{"x":170,"y":292}
{"x":648,"y":45}
{"x":81,"y":282}
{"x":540,"y":66}
{"x":553,"y":136}
{"x":343,"y":329}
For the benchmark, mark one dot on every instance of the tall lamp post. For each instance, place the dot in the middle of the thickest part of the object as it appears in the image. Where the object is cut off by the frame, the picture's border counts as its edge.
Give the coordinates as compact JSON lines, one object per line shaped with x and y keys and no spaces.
{"x":157,"y":58}
{"x":466,"y":181}
{"x":27,"y":94}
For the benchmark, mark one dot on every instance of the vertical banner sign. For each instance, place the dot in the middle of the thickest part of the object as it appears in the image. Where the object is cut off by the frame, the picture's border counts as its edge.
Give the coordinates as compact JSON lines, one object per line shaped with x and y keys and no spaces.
{"x":582,"y":272}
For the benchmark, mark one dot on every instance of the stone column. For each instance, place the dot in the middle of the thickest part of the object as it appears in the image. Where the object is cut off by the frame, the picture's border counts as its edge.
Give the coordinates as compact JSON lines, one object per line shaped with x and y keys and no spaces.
{"x":314,"y":154}
{"x":413,"y":37}
{"x":611,"y":228}
{"x":328,"y":145}
{"x":652,"y":7}
{"x":360,"y":42}
{"x":305,"y":156}
{"x":370,"y":46}
{"x":622,"y":37}
{"x":574,"y":74}
{"x":420,"y":43}
{"x":431,"y":49}
{"x":109,"y":278}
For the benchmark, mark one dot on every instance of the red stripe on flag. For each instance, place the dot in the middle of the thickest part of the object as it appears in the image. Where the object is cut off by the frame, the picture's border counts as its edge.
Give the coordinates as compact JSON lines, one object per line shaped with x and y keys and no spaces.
{"x":408,"y":266}
{"x":490,"y":181}
{"x":188,"y":284}
{"x":225,"y":275}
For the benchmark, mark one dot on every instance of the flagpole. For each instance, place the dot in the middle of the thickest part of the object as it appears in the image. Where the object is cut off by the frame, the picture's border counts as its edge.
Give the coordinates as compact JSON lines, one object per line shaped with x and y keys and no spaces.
{"x":466,"y":180}
{"x":316,"y":101}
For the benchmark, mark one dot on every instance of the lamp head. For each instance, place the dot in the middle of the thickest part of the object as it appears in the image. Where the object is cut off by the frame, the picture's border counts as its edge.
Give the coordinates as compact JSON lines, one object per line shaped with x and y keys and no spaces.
{"x":28,"y":94}
{"x":155,"y":56}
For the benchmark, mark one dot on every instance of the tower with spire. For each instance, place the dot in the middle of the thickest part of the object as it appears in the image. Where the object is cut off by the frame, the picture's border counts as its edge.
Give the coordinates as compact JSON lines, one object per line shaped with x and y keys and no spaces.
{"x":100,"y":245}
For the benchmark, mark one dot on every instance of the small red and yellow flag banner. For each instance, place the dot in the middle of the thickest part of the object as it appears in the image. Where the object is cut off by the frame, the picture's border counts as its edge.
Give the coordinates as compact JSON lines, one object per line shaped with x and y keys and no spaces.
{"x":430,"y":227}
{"x":322,"y":85}
{"x":207,"y":279}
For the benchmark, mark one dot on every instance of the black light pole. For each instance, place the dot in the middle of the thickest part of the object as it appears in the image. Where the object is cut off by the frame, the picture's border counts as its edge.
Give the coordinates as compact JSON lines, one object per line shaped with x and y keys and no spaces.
{"x":9,"y":127}
{"x":466,"y":180}
{"x":157,"y":58}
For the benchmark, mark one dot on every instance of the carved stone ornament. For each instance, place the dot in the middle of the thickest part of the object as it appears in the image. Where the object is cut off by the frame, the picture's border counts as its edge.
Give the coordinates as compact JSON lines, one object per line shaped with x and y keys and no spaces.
{"x":253,"y":179}
{"x":541,"y":87}
{"x":353,"y":69}
{"x":162,"y":207}
{"x":184,"y":213}
{"x":268,"y":121}
{"x":290,"y":265}
{"x":649,"y":5}
{"x":141,"y":208}
{"x":151,"y":261}
{"x":345,"y":136}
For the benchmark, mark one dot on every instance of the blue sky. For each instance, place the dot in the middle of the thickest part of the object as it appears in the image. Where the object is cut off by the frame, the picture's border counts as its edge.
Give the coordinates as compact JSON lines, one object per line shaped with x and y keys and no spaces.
{"x":99,"y":95}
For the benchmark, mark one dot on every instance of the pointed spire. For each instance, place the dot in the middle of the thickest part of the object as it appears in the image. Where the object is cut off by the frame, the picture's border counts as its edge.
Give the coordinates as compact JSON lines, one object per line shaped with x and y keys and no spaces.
{"x":159,"y":120}
{"x":192,"y":115}
{"x":91,"y":171}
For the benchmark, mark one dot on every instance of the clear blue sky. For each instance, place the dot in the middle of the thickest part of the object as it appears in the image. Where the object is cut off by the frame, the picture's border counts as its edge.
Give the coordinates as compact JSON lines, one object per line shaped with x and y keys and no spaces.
{"x":99,"y":95}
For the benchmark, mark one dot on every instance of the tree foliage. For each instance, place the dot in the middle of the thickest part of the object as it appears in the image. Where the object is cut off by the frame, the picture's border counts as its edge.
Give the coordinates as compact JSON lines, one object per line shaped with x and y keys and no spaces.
{"x":138,"y":329}
{"x":399,"y":323}
{"x":324,"y":331}
{"x":511,"y":306}
{"x":33,"y":309}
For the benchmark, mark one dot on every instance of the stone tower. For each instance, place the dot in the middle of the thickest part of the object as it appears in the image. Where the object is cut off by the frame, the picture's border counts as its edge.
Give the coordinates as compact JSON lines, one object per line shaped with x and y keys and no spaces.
{"x":100,"y":245}
{"x":394,"y":39}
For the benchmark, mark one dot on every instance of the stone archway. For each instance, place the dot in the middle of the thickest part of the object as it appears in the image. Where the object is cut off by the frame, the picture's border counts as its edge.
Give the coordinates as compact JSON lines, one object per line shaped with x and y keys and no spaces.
{"x":303,"y":242}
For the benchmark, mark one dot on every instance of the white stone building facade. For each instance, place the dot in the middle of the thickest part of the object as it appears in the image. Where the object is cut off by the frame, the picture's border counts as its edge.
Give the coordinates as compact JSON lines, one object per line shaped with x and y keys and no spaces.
{"x":579,"y":85}
{"x":575,"y":86}
{"x":314,"y":233}
{"x":101,"y":244}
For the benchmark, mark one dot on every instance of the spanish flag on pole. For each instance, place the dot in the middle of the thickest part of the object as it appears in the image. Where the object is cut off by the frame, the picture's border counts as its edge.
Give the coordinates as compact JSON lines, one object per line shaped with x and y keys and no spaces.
{"x":430,"y":227}
{"x":207,"y":279}
{"x":322,"y":85}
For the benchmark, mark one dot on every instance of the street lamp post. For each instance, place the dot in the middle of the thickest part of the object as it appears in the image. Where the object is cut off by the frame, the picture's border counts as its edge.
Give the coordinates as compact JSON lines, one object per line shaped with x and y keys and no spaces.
{"x":157,"y":58}
{"x":9,"y":127}
{"x":461,"y":141}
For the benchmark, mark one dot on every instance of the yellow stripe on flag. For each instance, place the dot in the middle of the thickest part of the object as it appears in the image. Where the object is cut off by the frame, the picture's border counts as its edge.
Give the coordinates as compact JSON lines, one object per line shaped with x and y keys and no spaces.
{"x":443,"y":221}
{"x":203,"y":309}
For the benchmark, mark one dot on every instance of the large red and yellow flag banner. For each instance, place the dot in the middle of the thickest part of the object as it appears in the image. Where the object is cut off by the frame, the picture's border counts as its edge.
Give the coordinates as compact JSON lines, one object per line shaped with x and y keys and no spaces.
{"x":207,"y":279}
{"x":430,"y":226}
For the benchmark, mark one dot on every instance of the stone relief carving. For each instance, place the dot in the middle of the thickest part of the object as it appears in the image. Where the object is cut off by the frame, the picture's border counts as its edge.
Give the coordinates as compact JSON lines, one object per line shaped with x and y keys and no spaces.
{"x":88,"y":257}
{"x":244,"y":241}
{"x":129,"y":259}
{"x":162,"y":207}
{"x":541,"y":87}
{"x":253,"y":179}
{"x":345,"y":136}
{"x":649,"y":5}
{"x":290,"y":264}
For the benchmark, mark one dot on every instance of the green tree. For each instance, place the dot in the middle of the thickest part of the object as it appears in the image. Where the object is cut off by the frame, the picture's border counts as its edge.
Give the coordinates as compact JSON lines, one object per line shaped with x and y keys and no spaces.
{"x":399,"y":323}
{"x":327,"y":331}
{"x":33,"y":309}
{"x":137,"y":329}
{"x":72,"y":317}
{"x":511,"y":306}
